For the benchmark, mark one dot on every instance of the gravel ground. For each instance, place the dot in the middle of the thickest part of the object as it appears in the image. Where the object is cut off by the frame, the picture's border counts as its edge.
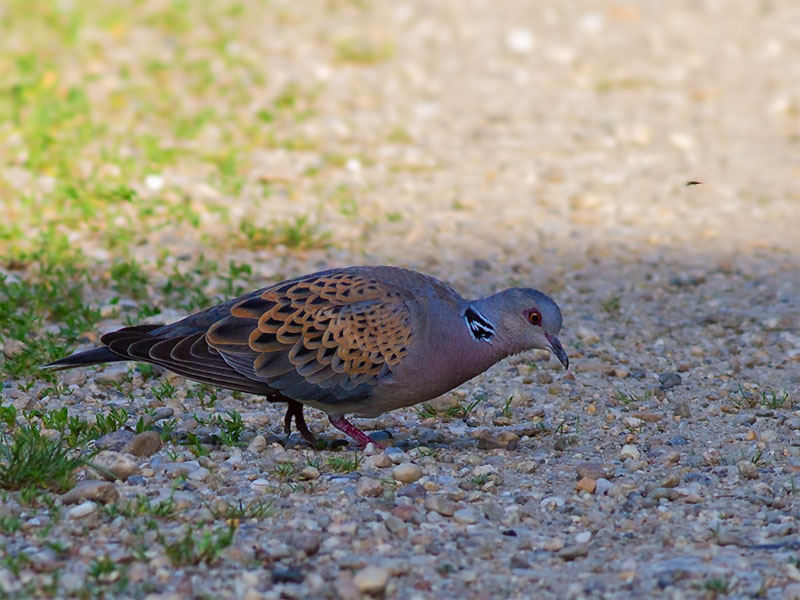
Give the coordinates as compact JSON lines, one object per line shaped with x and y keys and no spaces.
{"x":490,"y":144}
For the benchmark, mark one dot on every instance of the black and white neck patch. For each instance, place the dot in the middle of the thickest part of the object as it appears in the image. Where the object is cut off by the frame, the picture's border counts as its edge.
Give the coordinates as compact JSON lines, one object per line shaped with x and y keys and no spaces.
{"x":479,"y":326}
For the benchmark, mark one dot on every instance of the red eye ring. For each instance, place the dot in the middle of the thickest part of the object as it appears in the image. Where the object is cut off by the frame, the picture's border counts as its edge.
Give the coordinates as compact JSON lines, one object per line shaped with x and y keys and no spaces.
{"x":535,"y":317}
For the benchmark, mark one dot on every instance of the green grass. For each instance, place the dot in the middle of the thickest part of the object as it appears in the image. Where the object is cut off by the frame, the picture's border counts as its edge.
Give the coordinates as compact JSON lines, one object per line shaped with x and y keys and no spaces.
{"x":74,"y":430}
{"x":296,"y":234}
{"x":30,"y":460}
{"x":344,"y":464}
{"x":459,"y":411}
{"x":234,"y":510}
{"x":769,"y":398}
{"x":50,"y":288}
{"x":201,"y":548}
{"x":98,"y":145}
{"x":363,"y":51}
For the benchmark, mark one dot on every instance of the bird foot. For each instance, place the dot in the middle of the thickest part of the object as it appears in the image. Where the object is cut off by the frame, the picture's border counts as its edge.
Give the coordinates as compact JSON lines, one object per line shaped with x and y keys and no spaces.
{"x":354,"y":432}
{"x":294,"y":410}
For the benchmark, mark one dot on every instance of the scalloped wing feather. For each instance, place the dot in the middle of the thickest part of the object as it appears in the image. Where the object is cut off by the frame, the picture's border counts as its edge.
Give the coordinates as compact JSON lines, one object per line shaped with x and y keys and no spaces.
{"x":325,"y":338}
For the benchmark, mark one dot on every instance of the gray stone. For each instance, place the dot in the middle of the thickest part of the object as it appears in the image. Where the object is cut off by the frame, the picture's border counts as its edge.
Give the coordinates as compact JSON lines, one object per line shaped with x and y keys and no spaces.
{"x":744,"y":419}
{"x":493,"y":510}
{"x":84,"y":509}
{"x":669,"y":380}
{"x":146,"y":443}
{"x":747,"y":469}
{"x":465,"y":516}
{"x":103,"y":492}
{"x":163,"y":412}
{"x":369,"y":488}
{"x":257,"y":444}
{"x":440,"y":504}
{"x":111,"y":375}
{"x":594,"y":470}
{"x":572,"y":552}
{"x":116,"y":440}
{"x":309,"y":473}
{"x":119,"y":465}
{"x":308,"y":542}
{"x":415,"y":490}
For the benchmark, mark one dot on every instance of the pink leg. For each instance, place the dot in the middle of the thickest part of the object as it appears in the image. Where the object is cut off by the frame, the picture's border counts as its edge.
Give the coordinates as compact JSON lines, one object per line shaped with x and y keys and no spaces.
{"x":351,"y":430}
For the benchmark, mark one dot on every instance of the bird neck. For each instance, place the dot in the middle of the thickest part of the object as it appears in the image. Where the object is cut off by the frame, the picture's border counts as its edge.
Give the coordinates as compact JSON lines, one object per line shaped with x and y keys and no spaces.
{"x":488,"y":339}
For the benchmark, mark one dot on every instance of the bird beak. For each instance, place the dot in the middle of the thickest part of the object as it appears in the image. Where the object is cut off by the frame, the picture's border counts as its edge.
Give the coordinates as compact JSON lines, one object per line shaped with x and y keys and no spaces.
{"x":558,"y":349}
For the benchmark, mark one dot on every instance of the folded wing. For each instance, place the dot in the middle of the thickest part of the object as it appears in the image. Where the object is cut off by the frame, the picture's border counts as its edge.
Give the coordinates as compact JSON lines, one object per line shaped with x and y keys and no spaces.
{"x":325,"y":338}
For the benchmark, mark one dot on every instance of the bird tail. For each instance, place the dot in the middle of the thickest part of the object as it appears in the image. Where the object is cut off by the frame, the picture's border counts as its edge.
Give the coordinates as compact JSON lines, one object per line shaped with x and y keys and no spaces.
{"x":83,"y":359}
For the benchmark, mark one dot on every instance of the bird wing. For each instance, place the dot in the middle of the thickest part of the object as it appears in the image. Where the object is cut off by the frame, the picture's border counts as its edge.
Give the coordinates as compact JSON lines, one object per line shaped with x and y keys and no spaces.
{"x":188,"y":355}
{"x":326,"y":338}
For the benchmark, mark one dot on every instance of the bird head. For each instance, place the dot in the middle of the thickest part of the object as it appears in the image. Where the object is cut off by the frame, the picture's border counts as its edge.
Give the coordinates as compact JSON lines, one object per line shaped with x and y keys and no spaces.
{"x":529,"y":319}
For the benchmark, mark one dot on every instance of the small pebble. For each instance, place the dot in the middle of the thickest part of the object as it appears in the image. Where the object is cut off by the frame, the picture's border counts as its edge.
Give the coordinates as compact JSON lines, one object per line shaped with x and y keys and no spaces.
{"x":554,"y":544}
{"x":96,"y":491}
{"x":260,"y":484}
{"x":371,"y":580}
{"x":406,"y":473}
{"x":82,"y":510}
{"x":594,"y":470}
{"x":602,"y":486}
{"x":661,"y":492}
{"x":583,"y":537}
{"x":440,"y":504}
{"x":119,"y":466}
{"x":414,"y":490}
{"x":257,"y":444}
{"x":573,"y":552}
{"x":116,"y":440}
{"x":369,"y":488}
{"x":744,"y":419}
{"x":629,"y":451}
{"x":552,"y":502}
{"x":465,"y":516}
{"x":163,"y":412}
{"x":146,"y":443}
{"x":397,"y":456}
{"x":309,"y":473}
{"x":669,"y":380}
{"x":378,"y":461}
{"x":747,"y":469}
{"x":769,"y":436}
{"x":280,"y":575}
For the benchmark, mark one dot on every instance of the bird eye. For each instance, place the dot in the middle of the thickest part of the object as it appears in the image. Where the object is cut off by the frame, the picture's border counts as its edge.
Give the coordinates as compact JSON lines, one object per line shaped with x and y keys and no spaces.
{"x":535,"y":317}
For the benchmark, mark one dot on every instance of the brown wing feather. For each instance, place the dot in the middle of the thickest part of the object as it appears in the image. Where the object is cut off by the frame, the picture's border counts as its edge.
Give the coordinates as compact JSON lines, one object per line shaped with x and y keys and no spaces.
{"x":339,"y":331}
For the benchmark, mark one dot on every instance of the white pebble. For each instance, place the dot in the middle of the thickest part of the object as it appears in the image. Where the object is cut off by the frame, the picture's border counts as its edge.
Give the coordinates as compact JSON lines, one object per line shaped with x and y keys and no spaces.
{"x":629,"y":451}
{"x":583,"y":537}
{"x":592,"y":22}
{"x":154,"y":182}
{"x":520,"y":41}
{"x":257,"y":444}
{"x":602,"y":486}
{"x":406,"y":473}
{"x":82,"y":510}
{"x":371,"y":580}
{"x":309,"y":473}
{"x":259,"y":484}
{"x":552,"y":502}
{"x":682,"y":141}
{"x":465,"y":516}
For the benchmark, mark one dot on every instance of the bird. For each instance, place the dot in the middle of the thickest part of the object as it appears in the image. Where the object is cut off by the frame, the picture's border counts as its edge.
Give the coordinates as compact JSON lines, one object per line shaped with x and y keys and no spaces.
{"x":358,"y":340}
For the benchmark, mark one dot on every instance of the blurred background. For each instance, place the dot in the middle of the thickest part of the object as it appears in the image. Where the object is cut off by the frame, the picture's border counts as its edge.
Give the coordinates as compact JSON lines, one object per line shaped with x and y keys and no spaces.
{"x":637,"y":160}
{"x":174,"y":152}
